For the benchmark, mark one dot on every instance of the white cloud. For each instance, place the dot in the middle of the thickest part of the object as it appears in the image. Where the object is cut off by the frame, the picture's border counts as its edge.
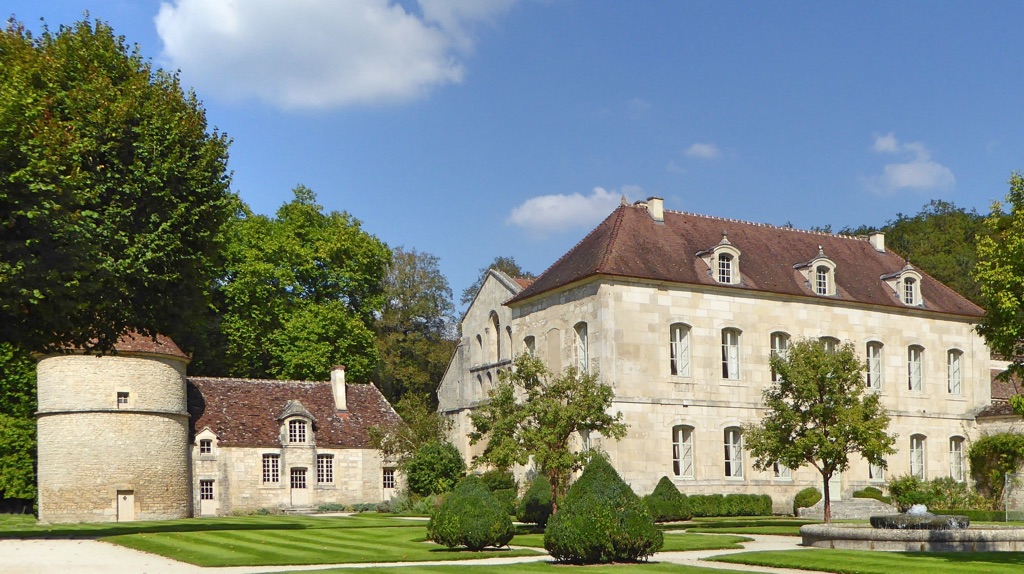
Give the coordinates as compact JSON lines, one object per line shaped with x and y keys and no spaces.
{"x":319,"y":53}
{"x":703,"y":151}
{"x":917,"y":172}
{"x":552,"y":213}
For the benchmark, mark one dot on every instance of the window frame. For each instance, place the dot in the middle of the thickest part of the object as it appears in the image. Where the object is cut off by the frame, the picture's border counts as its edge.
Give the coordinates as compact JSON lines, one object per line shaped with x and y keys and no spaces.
{"x":910,"y":288}
{"x":271,"y":468}
{"x":680,"y":357}
{"x":915,"y":368}
{"x":205,"y":446}
{"x":918,"y":456}
{"x":724,"y":268}
{"x":582,"y":347}
{"x":206,"y":487}
{"x":954,"y":372}
{"x":298,"y":431}
{"x":530,"y":345}
{"x":297,"y":478}
{"x":779,"y":342}
{"x":388,"y":477}
{"x":874,"y":373}
{"x":733,"y":442}
{"x":731,"y":360}
{"x":876,"y":472}
{"x":325,"y":469}
{"x":781,"y":471}
{"x":822,"y":280}
{"x":957,"y":461}
{"x":682,"y":451}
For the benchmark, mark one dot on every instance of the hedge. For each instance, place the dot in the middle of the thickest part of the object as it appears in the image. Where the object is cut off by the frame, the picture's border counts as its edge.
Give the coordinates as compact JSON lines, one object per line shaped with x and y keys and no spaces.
{"x":708,"y":505}
{"x":666,"y":503}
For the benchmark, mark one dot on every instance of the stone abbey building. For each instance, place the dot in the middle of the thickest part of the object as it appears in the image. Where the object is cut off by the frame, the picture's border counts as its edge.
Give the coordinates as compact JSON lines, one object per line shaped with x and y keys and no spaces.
{"x":680,"y":313}
{"x":128,"y":436}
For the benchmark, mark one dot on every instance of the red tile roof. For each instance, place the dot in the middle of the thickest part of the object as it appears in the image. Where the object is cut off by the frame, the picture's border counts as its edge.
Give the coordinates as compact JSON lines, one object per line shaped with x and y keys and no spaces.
{"x":161,"y":345}
{"x":524,"y":283}
{"x":244,"y":412}
{"x":630,"y":244}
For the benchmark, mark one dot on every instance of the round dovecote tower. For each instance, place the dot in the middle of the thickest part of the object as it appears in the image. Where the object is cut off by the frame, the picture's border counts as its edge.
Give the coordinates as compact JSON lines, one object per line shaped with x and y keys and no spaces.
{"x":113,"y":434}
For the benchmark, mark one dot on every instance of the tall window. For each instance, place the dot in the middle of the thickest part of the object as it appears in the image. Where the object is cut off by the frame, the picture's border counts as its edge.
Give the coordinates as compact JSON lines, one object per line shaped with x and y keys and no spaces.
{"x":725,"y":268}
{"x":733,"y":453}
{"x":917,"y":460}
{"x":298,"y":478}
{"x":830,"y":344}
{"x":953,"y":377}
{"x":821,"y":280}
{"x":297,"y":431}
{"x":874,"y":373}
{"x":389,"y":478}
{"x":206,"y":489}
{"x":494,"y":338}
{"x":679,"y":349}
{"x":910,"y":291}
{"x":271,"y":468}
{"x":582,"y":350}
{"x":531,"y":345}
{"x":325,"y":468}
{"x":730,"y":354}
{"x":876,"y":473}
{"x":956,"y":458}
{"x":780,"y":348}
{"x":915,"y":368}
{"x":682,"y":451}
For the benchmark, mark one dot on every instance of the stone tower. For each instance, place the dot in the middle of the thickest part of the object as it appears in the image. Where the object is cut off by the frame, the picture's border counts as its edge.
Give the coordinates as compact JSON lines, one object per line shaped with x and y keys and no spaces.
{"x":113,"y":434}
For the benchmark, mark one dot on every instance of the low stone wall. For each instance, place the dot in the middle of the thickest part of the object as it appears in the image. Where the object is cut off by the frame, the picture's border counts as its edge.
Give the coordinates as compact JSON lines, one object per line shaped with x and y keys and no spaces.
{"x":864,"y":537}
{"x":850,"y":509}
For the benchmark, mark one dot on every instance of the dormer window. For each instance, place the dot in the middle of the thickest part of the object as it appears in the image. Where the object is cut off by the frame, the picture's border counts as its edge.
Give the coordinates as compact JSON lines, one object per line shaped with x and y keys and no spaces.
{"x":723,"y":261}
{"x":906,"y":285}
{"x":297,"y":431}
{"x":820,"y":273}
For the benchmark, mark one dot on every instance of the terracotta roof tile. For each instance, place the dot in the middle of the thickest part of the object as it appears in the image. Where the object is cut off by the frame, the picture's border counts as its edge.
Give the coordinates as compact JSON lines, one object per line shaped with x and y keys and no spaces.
{"x":1002,"y":390}
{"x":629,"y":243}
{"x":524,"y":283}
{"x":161,"y":345}
{"x":244,"y":412}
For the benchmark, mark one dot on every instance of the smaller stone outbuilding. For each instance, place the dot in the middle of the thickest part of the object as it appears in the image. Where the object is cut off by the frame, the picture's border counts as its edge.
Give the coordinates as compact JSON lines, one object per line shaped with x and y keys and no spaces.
{"x":286,"y":445}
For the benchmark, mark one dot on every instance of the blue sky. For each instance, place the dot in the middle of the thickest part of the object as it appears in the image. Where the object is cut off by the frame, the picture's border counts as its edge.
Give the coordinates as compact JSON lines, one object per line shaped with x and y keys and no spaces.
{"x":472,"y":129}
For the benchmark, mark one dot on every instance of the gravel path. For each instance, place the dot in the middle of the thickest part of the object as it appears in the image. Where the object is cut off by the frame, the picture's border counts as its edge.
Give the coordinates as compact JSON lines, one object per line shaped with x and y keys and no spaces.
{"x":95,"y":557}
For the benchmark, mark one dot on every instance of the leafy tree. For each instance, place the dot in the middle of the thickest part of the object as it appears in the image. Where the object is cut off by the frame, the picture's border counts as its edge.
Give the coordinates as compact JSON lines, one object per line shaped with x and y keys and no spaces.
{"x":17,"y":423}
{"x":506,"y":265}
{"x":299,"y":293}
{"x":532,"y":413}
{"x":1000,"y":276}
{"x":113,"y":192}
{"x":422,"y":425}
{"x":435,"y":468}
{"x":416,"y":326}
{"x":817,"y":413}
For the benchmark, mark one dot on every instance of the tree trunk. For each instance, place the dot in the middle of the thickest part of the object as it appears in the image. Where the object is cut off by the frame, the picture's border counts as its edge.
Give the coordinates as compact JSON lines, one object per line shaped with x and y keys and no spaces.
{"x":827,"y":511}
{"x":553,"y":480}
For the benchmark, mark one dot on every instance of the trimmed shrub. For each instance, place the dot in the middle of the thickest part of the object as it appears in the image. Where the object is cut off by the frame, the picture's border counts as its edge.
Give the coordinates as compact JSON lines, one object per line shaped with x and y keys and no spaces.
{"x":496,"y":480}
{"x":666,"y":503}
{"x":331,"y":507}
{"x":872,"y":492}
{"x":470,"y":517}
{"x":435,"y":468}
{"x":806,"y":498}
{"x":506,"y":499}
{"x":975,"y":515}
{"x":908,"y":490}
{"x":707,"y":505}
{"x":601,"y":520}
{"x":535,"y":506}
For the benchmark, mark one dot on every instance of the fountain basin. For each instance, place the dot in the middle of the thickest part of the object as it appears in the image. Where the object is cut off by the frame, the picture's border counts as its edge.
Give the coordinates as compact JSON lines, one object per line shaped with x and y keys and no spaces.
{"x":864,"y":537}
{"x":926,"y":521}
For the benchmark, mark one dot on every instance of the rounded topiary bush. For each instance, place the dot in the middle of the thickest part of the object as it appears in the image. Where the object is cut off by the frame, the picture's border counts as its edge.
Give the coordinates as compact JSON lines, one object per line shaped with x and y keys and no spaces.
{"x":471,"y":517}
{"x":535,"y":505}
{"x":496,"y":480}
{"x":666,"y":503}
{"x":806,"y":498}
{"x":435,"y":468}
{"x":601,"y":520}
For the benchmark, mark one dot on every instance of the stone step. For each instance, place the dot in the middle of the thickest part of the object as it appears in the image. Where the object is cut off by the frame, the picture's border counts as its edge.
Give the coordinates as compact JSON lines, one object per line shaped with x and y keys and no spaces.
{"x":848,"y":509}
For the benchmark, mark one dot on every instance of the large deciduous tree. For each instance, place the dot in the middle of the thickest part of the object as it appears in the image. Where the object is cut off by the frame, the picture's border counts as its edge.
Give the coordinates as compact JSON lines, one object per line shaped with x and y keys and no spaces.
{"x":818,"y":413}
{"x":416,"y":327}
{"x":113,"y":192}
{"x":17,"y":424}
{"x":1000,"y":275}
{"x":299,"y":293}
{"x":504,"y":264}
{"x":533,"y":413}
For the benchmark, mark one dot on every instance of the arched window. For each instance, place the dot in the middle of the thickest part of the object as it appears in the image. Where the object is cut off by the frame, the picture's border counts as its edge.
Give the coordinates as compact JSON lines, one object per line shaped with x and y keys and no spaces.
{"x":582,"y":348}
{"x":530,"y":343}
{"x":733,"y":453}
{"x":508,"y":343}
{"x":679,"y":349}
{"x":823,"y":280}
{"x":910,"y":291}
{"x":725,"y":268}
{"x":682,"y":451}
{"x":956,"y":458}
{"x":731,"y":354}
{"x":478,"y":355}
{"x":780,"y":348}
{"x":830,"y":344}
{"x":915,"y":368}
{"x":917,"y":456}
{"x":874,"y":370}
{"x":953,"y":377}
{"x":494,"y":339}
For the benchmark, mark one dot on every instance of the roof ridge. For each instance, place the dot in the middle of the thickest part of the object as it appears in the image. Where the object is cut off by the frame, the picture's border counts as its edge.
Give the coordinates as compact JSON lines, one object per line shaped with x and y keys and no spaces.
{"x":244,"y":380}
{"x":768,"y":225}
{"x":574,"y":247}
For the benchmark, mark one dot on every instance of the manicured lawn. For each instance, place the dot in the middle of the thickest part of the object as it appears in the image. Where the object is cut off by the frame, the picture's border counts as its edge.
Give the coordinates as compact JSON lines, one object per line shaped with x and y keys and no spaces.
{"x":751,"y":525}
{"x":868,"y":562}
{"x":542,"y":568}
{"x":674,"y":542}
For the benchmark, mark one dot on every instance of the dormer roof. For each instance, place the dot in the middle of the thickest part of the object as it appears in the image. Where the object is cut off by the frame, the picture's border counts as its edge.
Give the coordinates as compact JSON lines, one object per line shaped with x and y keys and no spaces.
{"x":629,"y":244}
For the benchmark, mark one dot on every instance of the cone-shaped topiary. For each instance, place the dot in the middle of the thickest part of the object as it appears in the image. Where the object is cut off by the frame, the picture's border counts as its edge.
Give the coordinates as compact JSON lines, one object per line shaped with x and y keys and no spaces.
{"x":470,"y":517}
{"x":535,"y":506}
{"x":601,"y":520}
{"x":666,"y":503}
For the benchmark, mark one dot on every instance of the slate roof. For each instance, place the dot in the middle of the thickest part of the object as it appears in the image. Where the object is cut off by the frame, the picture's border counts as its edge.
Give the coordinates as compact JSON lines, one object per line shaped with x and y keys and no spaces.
{"x":244,"y":412}
{"x":631,"y":244}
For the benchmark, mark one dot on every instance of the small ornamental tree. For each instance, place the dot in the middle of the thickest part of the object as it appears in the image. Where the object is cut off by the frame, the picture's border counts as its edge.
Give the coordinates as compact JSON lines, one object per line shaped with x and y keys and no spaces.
{"x":535,"y":505}
{"x":817,"y":413}
{"x":435,"y":468}
{"x":602,"y":520}
{"x":532,"y":413}
{"x":666,"y":503}
{"x":471,"y":517}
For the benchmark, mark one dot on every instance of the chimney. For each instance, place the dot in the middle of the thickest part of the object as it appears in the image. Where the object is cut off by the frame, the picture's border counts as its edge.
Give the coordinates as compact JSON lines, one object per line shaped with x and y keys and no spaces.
{"x":877,"y":240}
{"x":656,"y":208}
{"x":338,"y":387}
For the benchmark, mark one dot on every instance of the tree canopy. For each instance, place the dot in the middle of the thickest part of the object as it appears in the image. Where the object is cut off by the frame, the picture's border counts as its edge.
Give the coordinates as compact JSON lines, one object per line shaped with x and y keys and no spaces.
{"x":1000,"y":276}
{"x":113,"y":192}
{"x":299,"y":294}
{"x":817,"y":414}
{"x":532,"y":412}
{"x":504,"y":264}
